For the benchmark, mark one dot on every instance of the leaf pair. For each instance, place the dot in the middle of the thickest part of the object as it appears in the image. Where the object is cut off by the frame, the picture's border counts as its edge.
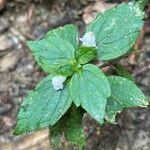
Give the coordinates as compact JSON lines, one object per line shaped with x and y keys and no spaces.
{"x":115,"y":31}
{"x":103,"y":97}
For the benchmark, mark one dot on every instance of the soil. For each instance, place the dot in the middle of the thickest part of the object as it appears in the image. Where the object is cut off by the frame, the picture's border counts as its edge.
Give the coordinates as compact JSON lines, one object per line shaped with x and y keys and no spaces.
{"x":22,"y":20}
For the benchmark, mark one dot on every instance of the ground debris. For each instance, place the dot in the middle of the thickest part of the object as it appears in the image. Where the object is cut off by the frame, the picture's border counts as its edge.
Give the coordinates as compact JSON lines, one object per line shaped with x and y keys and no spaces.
{"x":6,"y":64}
{"x":2,"y":4}
{"x":91,"y":11}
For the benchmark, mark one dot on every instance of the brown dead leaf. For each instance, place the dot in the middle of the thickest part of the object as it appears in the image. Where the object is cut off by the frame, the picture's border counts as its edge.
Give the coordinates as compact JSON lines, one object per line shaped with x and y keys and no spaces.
{"x":9,"y":61}
{"x":5,"y":43}
{"x":35,"y":141}
{"x":6,"y":123}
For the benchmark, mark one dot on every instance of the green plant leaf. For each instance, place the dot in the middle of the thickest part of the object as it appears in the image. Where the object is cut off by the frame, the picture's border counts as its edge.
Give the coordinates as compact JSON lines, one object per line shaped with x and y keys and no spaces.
{"x":90,"y":88}
{"x":68,"y":33}
{"x":124,"y":94}
{"x":123,"y":72}
{"x":74,"y":128}
{"x":55,"y":133}
{"x":70,"y":125}
{"x":42,"y":107}
{"x":116,"y":30}
{"x":85,"y":54}
{"x":56,"y":49}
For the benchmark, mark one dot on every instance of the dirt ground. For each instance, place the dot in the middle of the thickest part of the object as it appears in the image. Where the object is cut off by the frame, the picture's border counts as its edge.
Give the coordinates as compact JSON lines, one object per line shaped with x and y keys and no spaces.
{"x":22,"y":20}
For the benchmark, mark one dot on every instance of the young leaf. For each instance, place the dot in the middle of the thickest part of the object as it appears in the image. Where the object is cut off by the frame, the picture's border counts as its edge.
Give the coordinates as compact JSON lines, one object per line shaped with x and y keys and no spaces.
{"x":71,"y":126}
{"x":116,"y":30}
{"x":85,"y":54}
{"x":90,"y":88}
{"x":57,"y":49}
{"x":74,"y":128}
{"x":124,"y":94}
{"x":55,"y":133}
{"x":42,"y":107}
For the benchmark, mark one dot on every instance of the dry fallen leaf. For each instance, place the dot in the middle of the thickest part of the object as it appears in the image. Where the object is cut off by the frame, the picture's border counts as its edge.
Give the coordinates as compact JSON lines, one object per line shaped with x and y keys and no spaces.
{"x":35,"y":141}
{"x":5,"y":43}
{"x":91,"y":11}
{"x":9,"y":61}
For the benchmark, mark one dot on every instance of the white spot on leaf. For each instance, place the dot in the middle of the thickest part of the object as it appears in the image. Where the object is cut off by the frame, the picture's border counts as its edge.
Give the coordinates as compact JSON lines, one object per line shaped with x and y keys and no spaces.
{"x":57,"y":82}
{"x":88,"y":40}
